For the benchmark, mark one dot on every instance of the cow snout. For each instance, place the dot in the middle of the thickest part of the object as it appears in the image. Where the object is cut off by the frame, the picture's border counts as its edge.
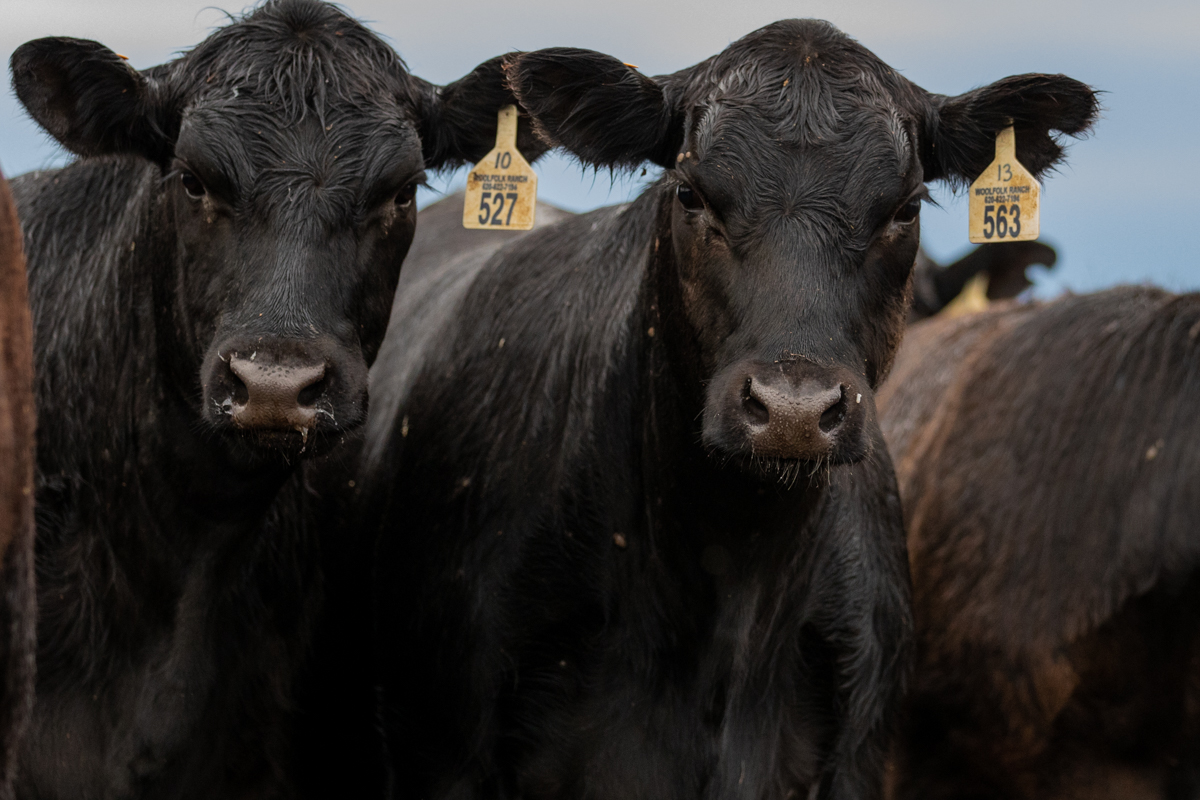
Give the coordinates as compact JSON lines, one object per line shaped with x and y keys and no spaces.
{"x":788,"y":410}
{"x":787,"y":421}
{"x":275,"y":396}
{"x":294,"y":395}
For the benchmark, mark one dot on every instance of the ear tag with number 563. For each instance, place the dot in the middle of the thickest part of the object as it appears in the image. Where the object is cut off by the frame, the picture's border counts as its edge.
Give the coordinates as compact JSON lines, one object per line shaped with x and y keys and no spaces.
{"x":502,"y":189}
{"x":1005,"y":199}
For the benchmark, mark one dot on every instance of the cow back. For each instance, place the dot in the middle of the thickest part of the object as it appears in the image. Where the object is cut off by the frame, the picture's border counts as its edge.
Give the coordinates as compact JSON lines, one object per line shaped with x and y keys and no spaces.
{"x":441,"y":264}
{"x":16,"y":491}
{"x":1048,"y":463}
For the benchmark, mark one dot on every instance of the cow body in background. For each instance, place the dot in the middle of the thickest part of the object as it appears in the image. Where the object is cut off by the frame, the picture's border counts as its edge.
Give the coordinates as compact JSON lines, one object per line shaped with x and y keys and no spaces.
{"x":638,"y":531}
{"x":209,"y":284}
{"x":1049,"y":464}
{"x":17,"y":601}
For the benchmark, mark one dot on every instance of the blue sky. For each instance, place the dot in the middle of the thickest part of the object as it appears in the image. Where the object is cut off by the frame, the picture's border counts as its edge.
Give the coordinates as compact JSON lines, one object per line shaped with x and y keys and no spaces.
{"x":1122,"y":210}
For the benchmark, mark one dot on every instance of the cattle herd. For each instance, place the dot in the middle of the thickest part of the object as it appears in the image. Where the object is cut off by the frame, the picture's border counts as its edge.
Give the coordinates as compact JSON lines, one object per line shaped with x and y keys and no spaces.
{"x":647,"y":502}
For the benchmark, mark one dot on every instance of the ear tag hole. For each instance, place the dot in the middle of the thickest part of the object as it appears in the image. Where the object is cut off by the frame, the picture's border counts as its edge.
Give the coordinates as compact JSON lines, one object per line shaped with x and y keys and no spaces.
{"x":1005,"y":201}
{"x":502,"y":188}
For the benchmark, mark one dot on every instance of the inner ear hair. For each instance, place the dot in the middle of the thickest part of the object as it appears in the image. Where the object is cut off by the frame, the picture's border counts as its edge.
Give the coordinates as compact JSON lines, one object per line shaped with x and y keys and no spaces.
{"x":90,"y":99}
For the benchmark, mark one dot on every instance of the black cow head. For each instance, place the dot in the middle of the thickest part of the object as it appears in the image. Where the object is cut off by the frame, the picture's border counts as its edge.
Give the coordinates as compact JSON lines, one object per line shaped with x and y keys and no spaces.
{"x":290,"y":145}
{"x":796,"y":165}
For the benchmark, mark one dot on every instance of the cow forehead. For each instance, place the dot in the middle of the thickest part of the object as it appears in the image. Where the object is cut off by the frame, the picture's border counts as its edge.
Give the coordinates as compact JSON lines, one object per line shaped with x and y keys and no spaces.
{"x":803,"y":77}
{"x":842,"y":182}
{"x":797,"y":111}
{"x":297,"y":99}
{"x":731,"y":132}
{"x":324,"y":167}
{"x":795,"y":94}
{"x":255,"y":127}
{"x":296,"y":57}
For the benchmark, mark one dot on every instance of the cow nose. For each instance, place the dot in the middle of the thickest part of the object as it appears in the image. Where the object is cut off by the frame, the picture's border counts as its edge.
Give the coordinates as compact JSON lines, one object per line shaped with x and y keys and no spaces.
{"x":276,"y":396}
{"x":785,"y":420}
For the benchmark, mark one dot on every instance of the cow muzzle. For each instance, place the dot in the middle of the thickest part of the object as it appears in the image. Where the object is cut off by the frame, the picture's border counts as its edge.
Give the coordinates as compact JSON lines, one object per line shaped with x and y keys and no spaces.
{"x":284,"y":394}
{"x":788,"y":411}
{"x":276,"y":396}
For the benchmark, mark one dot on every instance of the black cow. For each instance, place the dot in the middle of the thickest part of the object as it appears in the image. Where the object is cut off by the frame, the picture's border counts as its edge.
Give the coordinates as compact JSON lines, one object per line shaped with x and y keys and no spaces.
{"x":639,"y":532}
{"x":1049,"y":463}
{"x":209,"y":284}
{"x":17,"y":600}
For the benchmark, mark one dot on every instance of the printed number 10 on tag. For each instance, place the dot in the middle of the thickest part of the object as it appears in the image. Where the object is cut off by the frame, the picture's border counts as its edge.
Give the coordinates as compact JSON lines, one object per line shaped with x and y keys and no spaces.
{"x":502,"y":188}
{"x":1006,"y":199}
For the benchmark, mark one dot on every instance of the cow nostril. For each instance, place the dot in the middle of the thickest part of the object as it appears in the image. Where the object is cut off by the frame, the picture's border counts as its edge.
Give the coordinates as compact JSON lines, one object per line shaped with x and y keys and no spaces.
{"x":311,"y":394}
{"x":238,"y":392}
{"x":755,"y":409}
{"x":833,"y":416}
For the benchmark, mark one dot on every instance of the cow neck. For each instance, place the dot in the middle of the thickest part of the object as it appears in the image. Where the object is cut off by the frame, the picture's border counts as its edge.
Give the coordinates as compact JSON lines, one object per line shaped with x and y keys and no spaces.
{"x":679,"y":474}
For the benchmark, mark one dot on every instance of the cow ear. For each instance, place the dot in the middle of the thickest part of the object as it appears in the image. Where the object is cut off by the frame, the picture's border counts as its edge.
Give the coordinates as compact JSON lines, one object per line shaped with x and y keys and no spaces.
{"x":458,"y":121}
{"x":90,"y":99}
{"x":603,"y":111}
{"x":961,"y":131}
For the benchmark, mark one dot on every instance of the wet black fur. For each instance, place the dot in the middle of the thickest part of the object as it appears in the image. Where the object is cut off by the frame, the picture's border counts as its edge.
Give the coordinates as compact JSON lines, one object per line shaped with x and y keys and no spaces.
{"x":177,"y":562}
{"x":579,"y":593}
{"x":746,"y":640}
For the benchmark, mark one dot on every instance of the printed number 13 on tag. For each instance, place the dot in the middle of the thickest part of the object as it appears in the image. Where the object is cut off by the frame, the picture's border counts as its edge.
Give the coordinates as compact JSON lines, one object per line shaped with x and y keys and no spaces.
{"x":1006,"y":199}
{"x":502,"y":188}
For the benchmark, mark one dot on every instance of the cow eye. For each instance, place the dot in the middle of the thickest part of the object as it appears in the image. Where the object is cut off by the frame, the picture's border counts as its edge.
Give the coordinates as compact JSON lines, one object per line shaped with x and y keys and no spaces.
{"x":908,"y":212}
{"x":191,"y":185}
{"x":688,"y":198}
{"x":405,"y":196}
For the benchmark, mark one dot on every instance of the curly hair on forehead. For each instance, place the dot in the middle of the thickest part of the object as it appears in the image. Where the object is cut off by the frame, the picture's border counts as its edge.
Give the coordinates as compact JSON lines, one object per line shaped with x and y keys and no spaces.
{"x":298,"y":54}
{"x":805,"y":79}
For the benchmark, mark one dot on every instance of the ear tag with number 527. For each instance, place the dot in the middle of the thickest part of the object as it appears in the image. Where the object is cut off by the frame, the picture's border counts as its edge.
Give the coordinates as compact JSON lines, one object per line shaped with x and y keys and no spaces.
{"x":1005,"y":199}
{"x":502,"y":189}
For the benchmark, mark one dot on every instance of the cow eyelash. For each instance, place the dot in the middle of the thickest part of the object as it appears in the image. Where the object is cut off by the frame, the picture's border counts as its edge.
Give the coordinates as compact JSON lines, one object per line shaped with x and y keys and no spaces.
{"x":192,"y":185}
{"x":911,"y":208}
{"x":693,"y":203}
{"x":689,"y":198}
{"x":908,"y":212}
{"x":407,"y":193}
{"x":405,"y":196}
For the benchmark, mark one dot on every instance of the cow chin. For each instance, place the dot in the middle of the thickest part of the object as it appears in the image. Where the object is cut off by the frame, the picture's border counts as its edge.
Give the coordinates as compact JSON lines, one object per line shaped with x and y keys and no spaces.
{"x":263,"y":446}
{"x":775,"y":469}
{"x":782,"y":420}
{"x":270,"y":445}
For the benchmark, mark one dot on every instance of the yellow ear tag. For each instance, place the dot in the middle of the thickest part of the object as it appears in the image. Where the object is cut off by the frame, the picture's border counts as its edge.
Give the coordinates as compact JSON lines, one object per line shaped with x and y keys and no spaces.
{"x":502,"y":189}
{"x":1005,"y":199}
